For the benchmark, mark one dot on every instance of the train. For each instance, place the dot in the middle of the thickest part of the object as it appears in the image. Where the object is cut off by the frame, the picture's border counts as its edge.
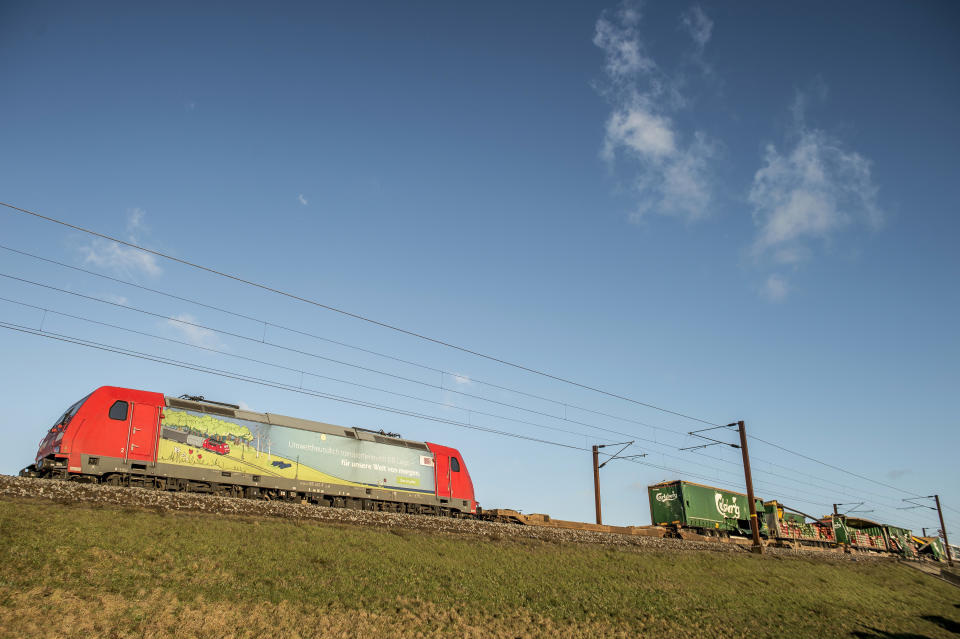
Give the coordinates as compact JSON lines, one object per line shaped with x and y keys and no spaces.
{"x":127,"y":437}
{"x":709,"y":511}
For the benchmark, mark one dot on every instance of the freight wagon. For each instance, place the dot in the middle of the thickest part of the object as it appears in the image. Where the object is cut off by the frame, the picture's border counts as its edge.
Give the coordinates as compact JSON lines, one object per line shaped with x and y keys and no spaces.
{"x":863,"y":534}
{"x":929,"y":547}
{"x":130,"y":437}
{"x":705,"y":509}
{"x":793,"y":527}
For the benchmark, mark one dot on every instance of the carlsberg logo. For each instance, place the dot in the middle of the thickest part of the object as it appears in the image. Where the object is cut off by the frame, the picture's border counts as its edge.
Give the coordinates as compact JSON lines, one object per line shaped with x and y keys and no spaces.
{"x":726,"y":509}
{"x":665,"y":497}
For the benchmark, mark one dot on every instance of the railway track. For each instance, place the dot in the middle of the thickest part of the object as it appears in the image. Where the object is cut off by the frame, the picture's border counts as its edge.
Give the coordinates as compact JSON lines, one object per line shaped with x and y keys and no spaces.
{"x":68,"y":492}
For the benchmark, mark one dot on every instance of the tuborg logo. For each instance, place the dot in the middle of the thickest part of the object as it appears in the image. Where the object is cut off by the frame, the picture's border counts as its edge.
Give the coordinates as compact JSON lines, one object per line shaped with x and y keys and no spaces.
{"x":726,"y":509}
{"x":665,"y":497}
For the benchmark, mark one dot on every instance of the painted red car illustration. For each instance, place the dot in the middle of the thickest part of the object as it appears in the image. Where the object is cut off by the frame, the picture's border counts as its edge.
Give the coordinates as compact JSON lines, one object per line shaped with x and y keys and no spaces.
{"x":217,"y":446}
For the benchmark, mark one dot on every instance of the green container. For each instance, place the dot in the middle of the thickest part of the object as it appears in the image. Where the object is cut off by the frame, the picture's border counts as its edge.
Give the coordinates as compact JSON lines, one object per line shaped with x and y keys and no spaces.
{"x":685,"y":504}
{"x":903,"y":538}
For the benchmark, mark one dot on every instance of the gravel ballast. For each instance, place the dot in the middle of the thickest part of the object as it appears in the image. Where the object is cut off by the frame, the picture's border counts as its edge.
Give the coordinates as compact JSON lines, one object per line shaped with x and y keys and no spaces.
{"x":81,"y":493}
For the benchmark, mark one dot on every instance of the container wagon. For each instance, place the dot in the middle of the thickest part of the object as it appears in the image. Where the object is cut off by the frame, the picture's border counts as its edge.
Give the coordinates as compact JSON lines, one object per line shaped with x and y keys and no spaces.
{"x":864,"y":534}
{"x":793,"y":527}
{"x":705,"y":509}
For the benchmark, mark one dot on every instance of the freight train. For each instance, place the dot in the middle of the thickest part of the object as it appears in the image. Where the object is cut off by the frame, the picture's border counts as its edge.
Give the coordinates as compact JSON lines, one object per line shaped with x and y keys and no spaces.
{"x":129,"y":437}
{"x":706,"y":510}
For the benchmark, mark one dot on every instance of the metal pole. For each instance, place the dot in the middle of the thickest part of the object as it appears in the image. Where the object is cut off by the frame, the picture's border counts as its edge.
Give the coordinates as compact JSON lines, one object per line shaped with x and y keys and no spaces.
{"x":943,"y":529}
{"x":924,"y":532}
{"x":754,"y":524}
{"x":596,"y":481}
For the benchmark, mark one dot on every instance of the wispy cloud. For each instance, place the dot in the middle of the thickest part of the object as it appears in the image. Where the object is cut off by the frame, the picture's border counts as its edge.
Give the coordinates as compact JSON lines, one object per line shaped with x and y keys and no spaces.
{"x":119,"y":258}
{"x":185,"y":325}
{"x":808,"y":192}
{"x":670,"y":170}
{"x":135,"y":222}
{"x":619,"y":38}
{"x":116,"y":299}
{"x":302,"y":199}
{"x":698,"y":25}
{"x":775,"y":288}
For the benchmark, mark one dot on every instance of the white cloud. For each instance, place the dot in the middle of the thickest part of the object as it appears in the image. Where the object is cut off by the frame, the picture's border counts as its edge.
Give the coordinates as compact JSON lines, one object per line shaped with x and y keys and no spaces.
{"x":810,"y":192}
{"x":620,"y":41}
{"x":671,"y":171}
{"x":775,"y":288}
{"x":116,"y":299}
{"x":698,"y":25}
{"x":640,"y":131}
{"x":807,"y":194}
{"x":135,"y":222}
{"x":687,"y":184}
{"x":119,"y":258}
{"x":461,"y":379}
{"x":185,"y":325}
{"x":302,"y":199}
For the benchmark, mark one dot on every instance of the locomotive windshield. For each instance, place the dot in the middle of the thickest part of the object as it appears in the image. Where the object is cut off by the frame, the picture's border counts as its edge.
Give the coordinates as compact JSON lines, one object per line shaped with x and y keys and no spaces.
{"x":68,"y":415}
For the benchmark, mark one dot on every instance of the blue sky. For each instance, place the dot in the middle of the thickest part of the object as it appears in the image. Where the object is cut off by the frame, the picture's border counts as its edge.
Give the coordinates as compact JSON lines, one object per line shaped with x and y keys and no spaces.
{"x":734,"y":211}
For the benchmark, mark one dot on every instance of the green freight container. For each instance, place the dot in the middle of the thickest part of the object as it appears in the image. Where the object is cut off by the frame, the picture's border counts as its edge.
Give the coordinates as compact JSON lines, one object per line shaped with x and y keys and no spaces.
{"x":936,"y":547}
{"x":794,"y":518}
{"x":862,"y":533}
{"x":705,"y":508}
{"x":901,"y":541}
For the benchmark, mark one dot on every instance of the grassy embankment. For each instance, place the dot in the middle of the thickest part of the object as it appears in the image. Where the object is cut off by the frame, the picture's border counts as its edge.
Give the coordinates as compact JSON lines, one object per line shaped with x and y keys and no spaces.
{"x":82,"y":571}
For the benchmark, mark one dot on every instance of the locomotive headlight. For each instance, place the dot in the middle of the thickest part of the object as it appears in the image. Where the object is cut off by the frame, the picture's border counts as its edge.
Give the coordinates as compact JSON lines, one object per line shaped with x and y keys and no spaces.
{"x":56,"y":449}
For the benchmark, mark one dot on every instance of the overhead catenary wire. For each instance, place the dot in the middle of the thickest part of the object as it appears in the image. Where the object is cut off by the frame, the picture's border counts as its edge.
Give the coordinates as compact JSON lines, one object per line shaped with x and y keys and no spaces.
{"x":254,"y":360}
{"x":365,"y":386}
{"x":414,"y":334}
{"x":262,"y":341}
{"x":418,"y":335}
{"x":329,"y":396}
{"x":287,"y":387}
{"x":270,"y":383}
{"x":265,"y":322}
{"x":312,"y":374}
{"x":849,"y":472}
{"x":295,"y":350}
{"x":356,"y":316}
{"x":325,"y":358}
{"x":261,"y":321}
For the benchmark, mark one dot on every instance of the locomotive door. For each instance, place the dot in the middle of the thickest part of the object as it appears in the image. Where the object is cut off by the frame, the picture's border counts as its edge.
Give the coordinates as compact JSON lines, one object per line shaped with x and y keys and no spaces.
{"x":441,"y":465}
{"x":143,"y":433}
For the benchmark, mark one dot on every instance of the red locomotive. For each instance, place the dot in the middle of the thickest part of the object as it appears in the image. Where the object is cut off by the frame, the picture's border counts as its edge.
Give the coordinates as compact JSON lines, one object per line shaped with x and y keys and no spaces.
{"x":216,"y":446}
{"x":137,"y":438}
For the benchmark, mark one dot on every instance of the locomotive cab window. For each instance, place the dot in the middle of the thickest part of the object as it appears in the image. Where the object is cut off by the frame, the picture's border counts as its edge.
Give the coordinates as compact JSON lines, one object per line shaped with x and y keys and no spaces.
{"x":119,"y":410}
{"x":454,"y":464}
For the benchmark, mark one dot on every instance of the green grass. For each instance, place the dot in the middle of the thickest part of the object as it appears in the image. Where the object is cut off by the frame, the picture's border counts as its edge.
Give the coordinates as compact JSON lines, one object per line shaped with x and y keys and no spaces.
{"x":106,"y":571}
